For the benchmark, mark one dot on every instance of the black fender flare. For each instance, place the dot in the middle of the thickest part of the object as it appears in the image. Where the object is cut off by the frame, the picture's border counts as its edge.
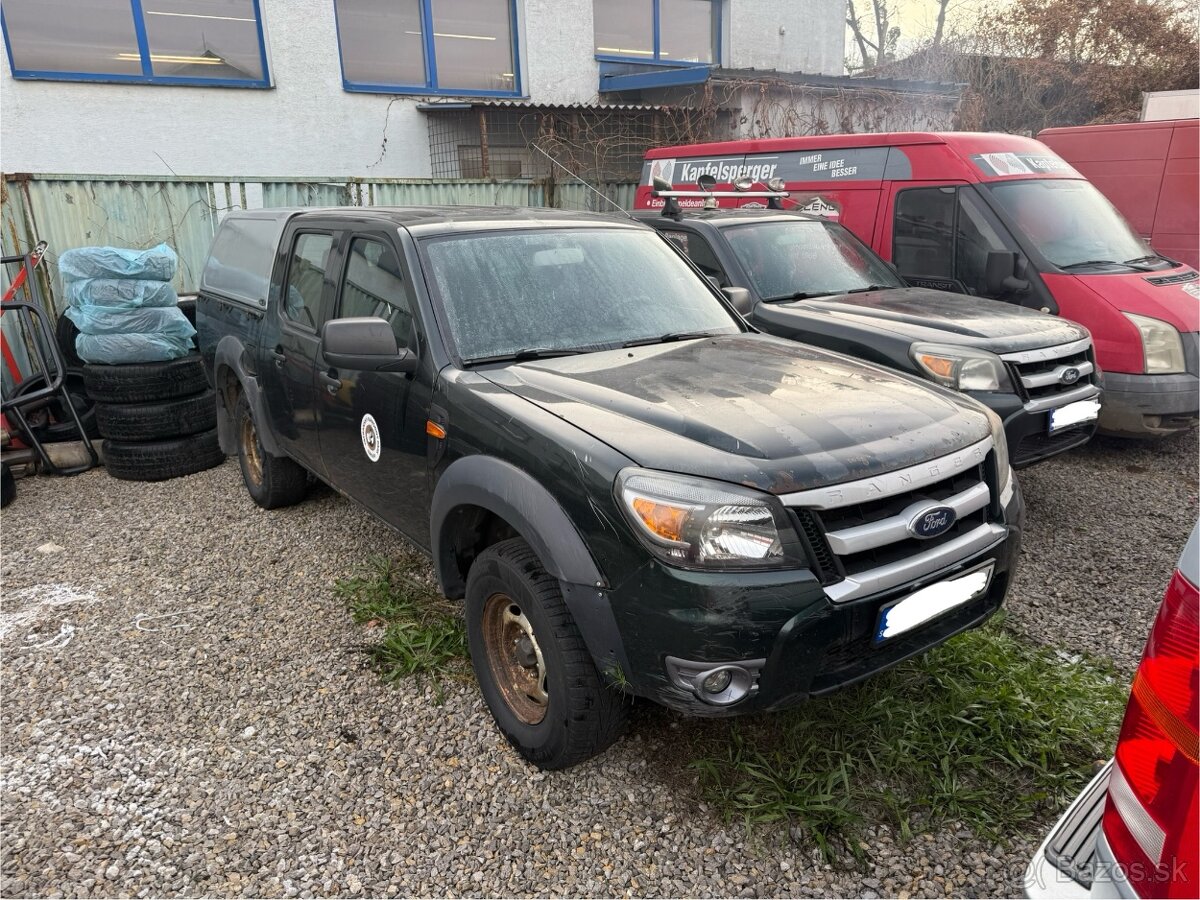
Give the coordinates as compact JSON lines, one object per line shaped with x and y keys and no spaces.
{"x":231,"y":357}
{"x":517,"y":497}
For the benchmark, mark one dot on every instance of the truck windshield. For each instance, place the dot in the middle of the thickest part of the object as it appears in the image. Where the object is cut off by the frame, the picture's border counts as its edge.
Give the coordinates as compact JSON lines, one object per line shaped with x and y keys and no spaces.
{"x":1071,"y":223}
{"x":525,"y":294}
{"x":801,"y":258}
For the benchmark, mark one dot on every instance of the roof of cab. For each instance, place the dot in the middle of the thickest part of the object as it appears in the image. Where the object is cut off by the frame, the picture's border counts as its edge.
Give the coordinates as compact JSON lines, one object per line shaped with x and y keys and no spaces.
{"x":721,"y":216}
{"x":428,"y":220}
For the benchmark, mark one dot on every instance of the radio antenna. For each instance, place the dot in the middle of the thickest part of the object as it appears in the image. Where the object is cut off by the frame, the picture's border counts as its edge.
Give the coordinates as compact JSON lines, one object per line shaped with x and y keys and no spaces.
{"x":600,"y":194}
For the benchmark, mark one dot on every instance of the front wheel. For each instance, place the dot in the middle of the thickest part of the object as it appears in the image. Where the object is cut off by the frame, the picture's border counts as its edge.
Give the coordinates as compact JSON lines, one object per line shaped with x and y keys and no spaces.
{"x":534,"y":670}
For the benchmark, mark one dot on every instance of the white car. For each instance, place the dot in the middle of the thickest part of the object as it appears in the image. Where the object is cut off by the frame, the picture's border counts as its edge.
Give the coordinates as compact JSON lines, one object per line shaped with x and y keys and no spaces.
{"x":1135,"y":829}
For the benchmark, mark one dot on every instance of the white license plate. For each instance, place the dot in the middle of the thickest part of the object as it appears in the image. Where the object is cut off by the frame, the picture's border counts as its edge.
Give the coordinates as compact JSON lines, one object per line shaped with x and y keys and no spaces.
{"x":1073,"y":414}
{"x":930,"y":602}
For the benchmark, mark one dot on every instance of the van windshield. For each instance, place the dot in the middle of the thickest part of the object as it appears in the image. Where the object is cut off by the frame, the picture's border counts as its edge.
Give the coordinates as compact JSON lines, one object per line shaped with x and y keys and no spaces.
{"x":801,"y":258}
{"x":546,"y":292}
{"x":1071,"y":223}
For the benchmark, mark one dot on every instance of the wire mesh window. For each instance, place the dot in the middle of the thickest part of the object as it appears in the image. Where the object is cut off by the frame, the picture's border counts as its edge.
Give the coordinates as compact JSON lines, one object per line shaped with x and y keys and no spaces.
{"x":597,"y":144}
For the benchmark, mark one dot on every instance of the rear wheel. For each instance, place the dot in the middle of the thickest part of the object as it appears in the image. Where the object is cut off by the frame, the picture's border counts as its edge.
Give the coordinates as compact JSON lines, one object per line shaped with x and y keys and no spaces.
{"x":272,"y":481}
{"x":534,"y":670}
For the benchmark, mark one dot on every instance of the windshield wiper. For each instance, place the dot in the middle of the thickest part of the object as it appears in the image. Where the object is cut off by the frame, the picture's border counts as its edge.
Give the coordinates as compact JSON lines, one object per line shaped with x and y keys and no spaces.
{"x":524,"y":355}
{"x":1152,"y":258}
{"x":670,"y":337}
{"x":799,"y":295}
{"x":1132,"y":264}
{"x":871,"y":287}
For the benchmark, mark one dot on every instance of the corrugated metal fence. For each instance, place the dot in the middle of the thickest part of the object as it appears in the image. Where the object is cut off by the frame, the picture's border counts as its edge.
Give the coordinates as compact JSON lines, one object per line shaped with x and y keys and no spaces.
{"x":77,"y":211}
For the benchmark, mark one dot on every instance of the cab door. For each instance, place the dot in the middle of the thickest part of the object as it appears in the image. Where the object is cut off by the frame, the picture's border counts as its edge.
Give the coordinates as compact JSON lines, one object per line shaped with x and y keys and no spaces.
{"x":372,"y":424}
{"x":291,"y":342}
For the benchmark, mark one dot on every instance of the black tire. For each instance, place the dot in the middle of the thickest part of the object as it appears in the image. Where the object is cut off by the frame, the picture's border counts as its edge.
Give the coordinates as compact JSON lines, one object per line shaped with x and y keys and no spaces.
{"x":160,"y":460}
{"x":8,"y":485}
{"x":582,"y":716}
{"x":49,"y":419}
{"x":146,"y":382}
{"x":272,"y":481}
{"x":65,"y":333}
{"x":154,"y":421}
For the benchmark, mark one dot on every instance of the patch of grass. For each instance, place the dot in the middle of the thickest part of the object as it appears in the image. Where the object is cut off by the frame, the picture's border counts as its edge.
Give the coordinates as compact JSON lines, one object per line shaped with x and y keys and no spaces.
{"x":985,"y":730}
{"x":422,"y":631}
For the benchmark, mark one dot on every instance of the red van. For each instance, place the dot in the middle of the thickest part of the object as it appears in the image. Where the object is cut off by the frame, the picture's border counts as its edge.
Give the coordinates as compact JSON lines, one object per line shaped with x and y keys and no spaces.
{"x":1150,"y":171}
{"x":989,"y":215}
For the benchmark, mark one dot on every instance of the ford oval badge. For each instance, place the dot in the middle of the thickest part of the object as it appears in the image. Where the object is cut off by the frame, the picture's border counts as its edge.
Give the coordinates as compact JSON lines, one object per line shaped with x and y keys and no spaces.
{"x":932,"y":521}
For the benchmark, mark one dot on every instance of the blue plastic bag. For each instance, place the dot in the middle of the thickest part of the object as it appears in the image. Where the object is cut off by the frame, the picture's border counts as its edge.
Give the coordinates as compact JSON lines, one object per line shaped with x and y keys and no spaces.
{"x":125,"y":293}
{"x":116,"y":349}
{"x":165,"y":320}
{"x":156,"y":264}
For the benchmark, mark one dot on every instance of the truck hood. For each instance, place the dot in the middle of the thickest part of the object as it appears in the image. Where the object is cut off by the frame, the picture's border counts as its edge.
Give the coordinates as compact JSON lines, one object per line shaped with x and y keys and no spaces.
{"x":1137,"y":294}
{"x":750,"y":409}
{"x":941,"y":317}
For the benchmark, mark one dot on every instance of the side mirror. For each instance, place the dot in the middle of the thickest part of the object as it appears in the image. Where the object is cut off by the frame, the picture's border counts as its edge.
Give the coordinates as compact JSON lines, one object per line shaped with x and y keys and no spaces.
{"x":364,"y":345}
{"x":741,"y":300}
{"x":999,"y":274}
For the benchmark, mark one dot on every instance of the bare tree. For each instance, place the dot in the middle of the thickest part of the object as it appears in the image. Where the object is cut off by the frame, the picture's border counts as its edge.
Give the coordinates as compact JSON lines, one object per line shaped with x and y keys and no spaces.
{"x":874,"y":33}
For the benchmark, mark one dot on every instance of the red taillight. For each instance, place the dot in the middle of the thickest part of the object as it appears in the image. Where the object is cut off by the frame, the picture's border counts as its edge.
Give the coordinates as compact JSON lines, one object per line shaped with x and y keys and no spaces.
{"x":1151,"y":816}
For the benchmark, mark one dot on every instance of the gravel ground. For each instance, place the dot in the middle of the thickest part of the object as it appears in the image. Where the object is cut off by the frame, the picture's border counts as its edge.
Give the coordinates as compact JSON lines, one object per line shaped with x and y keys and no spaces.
{"x":185,"y":712}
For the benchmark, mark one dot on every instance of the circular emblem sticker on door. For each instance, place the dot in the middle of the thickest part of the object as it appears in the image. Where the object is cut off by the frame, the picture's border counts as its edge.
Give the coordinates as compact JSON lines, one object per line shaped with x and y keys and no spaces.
{"x":370,"y":437}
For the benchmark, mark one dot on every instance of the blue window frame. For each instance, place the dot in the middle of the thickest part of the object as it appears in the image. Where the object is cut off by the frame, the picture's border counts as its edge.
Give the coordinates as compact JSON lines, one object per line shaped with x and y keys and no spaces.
{"x":214,"y":43}
{"x":461,"y":48}
{"x":666,"y":32}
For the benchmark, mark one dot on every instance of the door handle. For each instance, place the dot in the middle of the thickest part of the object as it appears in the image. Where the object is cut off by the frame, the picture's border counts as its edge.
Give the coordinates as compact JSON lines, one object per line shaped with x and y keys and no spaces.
{"x":279,"y":357}
{"x":332,"y":383}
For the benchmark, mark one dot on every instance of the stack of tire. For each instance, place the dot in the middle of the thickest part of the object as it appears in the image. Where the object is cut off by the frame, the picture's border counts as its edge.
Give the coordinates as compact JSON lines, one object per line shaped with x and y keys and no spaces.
{"x":154,"y":407}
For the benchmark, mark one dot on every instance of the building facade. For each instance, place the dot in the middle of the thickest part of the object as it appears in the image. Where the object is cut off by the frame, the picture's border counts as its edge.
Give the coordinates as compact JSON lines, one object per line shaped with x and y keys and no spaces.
{"x":375,"y":89}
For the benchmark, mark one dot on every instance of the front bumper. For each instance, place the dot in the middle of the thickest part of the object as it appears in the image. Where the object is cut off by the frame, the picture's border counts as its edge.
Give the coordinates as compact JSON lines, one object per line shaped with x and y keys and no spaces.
{"x":1027,"y":426}
{"x":1149,"y":405}
{"x":783,"y":627}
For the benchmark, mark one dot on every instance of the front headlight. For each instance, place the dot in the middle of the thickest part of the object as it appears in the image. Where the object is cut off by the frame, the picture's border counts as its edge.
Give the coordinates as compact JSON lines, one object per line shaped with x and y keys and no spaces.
{"x":1000,"y":448}
{"x":1161,"y":345}
{"x":962,"y":368}
{"x":707,"y":524}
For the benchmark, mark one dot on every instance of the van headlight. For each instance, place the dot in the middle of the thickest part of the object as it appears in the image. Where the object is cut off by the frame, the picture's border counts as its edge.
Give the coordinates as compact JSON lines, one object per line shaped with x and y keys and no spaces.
{"x":1161,"y":345}
{"x":1004,"y":472}
{"x":697,"y":523}
{"x":962,"y":368}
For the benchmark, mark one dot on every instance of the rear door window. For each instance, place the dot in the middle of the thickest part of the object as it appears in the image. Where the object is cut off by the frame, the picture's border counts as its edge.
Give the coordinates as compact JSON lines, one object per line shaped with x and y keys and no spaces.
{"x":307,"y":270}
{"x":239,"y":264}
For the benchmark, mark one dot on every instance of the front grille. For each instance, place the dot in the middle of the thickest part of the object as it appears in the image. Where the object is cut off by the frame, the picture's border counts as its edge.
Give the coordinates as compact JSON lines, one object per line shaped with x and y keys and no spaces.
{"x":1039,"y":374}
{"x":1181,"y":278}
{"x":875,"y":511}
{"x":1034,"y":446}
{"x":859,"y":529}
{"x":824,"y":563}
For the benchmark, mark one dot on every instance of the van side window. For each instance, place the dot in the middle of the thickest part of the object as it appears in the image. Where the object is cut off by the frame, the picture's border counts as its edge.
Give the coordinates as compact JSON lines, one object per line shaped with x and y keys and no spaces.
{"x":943,"y":233}
{"x":306,"y":278}
{"x":374,"y":285}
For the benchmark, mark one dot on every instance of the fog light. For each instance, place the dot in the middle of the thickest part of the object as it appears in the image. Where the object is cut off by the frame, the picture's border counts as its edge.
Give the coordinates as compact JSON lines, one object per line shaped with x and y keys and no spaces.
{"x":717,"y":681}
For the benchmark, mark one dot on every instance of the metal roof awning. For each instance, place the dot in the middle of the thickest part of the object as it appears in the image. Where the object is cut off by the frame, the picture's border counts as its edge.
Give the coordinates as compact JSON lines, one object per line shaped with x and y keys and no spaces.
{"x":620,"y":77}
{"x":450,"y":105}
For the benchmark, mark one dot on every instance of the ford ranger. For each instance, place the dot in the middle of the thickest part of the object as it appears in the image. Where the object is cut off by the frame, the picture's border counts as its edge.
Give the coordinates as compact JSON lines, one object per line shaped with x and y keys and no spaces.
{"x":631,"y":490}
{"x":811,"y":280}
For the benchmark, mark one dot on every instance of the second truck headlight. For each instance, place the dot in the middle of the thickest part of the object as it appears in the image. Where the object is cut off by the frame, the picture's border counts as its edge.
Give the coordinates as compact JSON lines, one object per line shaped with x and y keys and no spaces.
{"x":962,"y":368}
{"x":1161,"y":345}
{"x":697,"y":523}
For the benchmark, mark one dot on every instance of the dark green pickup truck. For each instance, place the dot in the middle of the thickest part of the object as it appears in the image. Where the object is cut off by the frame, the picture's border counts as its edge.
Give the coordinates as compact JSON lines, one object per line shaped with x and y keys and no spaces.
{"x":632,"y":490}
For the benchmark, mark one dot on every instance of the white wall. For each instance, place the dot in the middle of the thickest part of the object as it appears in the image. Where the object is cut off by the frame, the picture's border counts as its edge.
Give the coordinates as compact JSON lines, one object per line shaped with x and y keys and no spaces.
{"x":307,"y":126}
{"x":813,"y":41}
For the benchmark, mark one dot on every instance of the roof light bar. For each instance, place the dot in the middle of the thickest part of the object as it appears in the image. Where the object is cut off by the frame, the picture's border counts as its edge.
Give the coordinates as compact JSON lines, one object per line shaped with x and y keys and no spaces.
{"x":672,"y":193}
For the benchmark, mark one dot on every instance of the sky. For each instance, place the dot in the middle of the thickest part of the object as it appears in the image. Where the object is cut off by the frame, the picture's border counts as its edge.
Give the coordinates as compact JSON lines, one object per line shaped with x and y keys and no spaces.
{"x":918,"y":18}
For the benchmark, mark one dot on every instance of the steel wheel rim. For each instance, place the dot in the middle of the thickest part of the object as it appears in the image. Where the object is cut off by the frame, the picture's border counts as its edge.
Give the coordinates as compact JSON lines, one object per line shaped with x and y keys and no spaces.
{"x":515,"y":658}
{"x":251,"y":452}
